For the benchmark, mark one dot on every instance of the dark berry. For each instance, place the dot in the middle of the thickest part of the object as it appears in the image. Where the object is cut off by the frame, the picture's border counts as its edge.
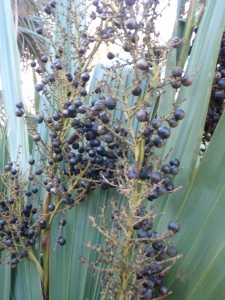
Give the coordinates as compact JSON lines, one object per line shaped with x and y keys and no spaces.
{"x":28,"y":193}
{"x":32,"y":242}
{"x":10,"y":200}
{"x":83,"y":92}
{"x":159,"y":142}
{"x":31,"y":233}
{"x":51,"y":207}
{"x":33,"y":64}
{"x":170,"y":187}
{"x":155,"y":177}
{"x":38,"y":171}
{"x":165,"y":169}
{"x":110,"y":103}
{"x":137,"y":91}
{"x":19,"y":113}
{"x":149,"y":251}
{"x":31,"y":161}
{"x":44,"y":59}
{"x":153,"y":195}
{"x":163,"y":290}
{"x":179,"y":114}
{"x":161,"y":190}
{"x":110,"y":55}
{"x":174,"y":170}
{"x":47,"y":10}
{"x":85,"y":77}
{"x":9,"y":243}
{"x":142,"y":233}
{"x":38,"y":87}
{"x":63,"y":223}
{"x":130,"y":2}
{"x":14,"y":262}
{"x":171,"y":251}
{"x":174,"y":162}
{"x":177,"y":72}
{"x":39,"y":30}
{"x":24,"y":253}
{"x":173,"y":122}
{"x":51,"y":78}
{"x":39,"y":119}
{"x":42,"y":224}
{"x":61,"y":241}
{"x":34,"y":190}
{"x":174,"y":226}
{"x":52,"y":3}
{"x":163,"y":132}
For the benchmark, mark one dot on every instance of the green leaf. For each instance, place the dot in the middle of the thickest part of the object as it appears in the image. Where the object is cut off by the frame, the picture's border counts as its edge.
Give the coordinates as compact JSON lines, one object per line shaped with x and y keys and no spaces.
{"x":167,"y":98}
{"x":16,"y":129}
{"x":198,"y":205}
{"x":202,"y":228}
{"x":11,"y":84}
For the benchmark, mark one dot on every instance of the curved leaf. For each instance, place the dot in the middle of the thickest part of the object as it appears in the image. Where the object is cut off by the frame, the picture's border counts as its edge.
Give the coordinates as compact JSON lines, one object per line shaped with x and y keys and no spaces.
{"x":198,"y":205}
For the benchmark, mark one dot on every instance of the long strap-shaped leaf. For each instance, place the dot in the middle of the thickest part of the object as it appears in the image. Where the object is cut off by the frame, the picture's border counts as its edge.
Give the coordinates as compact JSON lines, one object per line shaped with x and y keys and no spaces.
{"x":199,"y":206}
{"x":11,"y":83}
{"x":27,"y":284}
{"x":186,"y":138}
{"x":200,"y":274}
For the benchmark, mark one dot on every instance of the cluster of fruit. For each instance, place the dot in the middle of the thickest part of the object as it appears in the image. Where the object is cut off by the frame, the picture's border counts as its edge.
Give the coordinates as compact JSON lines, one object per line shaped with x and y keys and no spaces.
{"x":151,"y":257}
{"x":216,"y":104}
{"x":88,"y":148}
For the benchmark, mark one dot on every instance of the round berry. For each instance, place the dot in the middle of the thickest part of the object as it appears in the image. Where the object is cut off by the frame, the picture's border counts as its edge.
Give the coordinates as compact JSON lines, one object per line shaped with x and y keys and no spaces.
{"x":142,"y":234}
{"x":42,"y":224}
{"x":171,"y":251}
{"x":174,"y":226}
{"x":51,"y":207}
{"x":163,"y":132}
{"x":159,"y":142}
{"x":165,"y":169}
{"x":19,"y":113}
{"x":62,"y":241}
{"x":33,"y":64}
{"x":179,"y":114}
{"x":14,"y":262}
{"x":174,"y":162}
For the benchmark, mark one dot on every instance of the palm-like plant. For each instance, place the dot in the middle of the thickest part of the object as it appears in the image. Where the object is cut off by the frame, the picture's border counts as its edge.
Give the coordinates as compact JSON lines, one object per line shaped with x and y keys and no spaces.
{"x":27,"y":18}
{"x":198,"y":206}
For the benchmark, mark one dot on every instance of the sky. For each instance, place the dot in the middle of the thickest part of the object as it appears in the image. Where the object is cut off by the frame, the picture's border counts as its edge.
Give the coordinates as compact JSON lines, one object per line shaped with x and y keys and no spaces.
{"x":165,"y":24}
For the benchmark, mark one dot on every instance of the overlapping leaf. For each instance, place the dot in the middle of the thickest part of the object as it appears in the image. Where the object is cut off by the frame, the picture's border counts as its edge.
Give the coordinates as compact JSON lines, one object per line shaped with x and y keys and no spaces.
{"x":198,"y":206}
{"x":12,"y":93}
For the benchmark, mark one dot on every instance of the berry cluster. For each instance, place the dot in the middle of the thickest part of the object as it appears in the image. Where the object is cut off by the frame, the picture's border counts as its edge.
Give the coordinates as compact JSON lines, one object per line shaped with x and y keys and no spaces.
{"x":88,"y":148}
{"x":218,"y":93}
{"x":149,"y":262}
{"x":216,"y":104}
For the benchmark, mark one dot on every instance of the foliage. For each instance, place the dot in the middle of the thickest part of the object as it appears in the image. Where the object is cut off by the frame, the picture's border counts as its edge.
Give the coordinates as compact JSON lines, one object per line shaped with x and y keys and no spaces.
{"x":27,"y":18}
{"x":128,"y":121}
